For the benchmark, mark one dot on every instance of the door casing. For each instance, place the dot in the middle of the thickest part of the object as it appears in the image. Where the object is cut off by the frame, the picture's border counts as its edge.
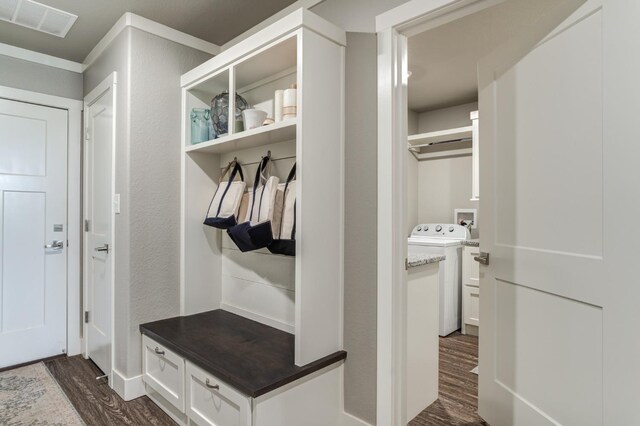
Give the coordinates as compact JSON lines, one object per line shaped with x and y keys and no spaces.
{"x":108,"y":84}
{"x":74,"y":194}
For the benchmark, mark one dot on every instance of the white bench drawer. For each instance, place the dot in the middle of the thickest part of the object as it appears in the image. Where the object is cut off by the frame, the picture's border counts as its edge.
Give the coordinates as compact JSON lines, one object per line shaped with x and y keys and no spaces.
{"x":212,"y":402}
{"x":163,"y":370}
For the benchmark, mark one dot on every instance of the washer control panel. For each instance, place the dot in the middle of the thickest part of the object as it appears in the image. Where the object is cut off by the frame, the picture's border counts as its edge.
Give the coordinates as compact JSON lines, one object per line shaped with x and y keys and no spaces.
{"x":452,"y":231}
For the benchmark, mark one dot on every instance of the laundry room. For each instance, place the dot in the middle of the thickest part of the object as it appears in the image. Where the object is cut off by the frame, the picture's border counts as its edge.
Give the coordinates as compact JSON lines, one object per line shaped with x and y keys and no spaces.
{"x":444,"y":218}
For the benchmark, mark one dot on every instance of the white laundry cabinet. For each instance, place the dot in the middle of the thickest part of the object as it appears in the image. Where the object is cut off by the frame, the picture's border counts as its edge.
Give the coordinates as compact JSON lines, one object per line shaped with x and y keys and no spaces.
{"x":470,"y":290}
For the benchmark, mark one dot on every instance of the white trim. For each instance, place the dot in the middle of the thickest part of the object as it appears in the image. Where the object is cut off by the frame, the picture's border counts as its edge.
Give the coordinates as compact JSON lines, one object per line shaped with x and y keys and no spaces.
{"x":39,"y":58}
{"x":127,"y":20}
{"x":109,"y":83}
{"x":128,"y":388}
{"x":417,"y":16}
{"x":393,"y":27}
{"x":74,"y":109}
{"x":281,"y":30}
{"x":288,"y":328}
{"x":306,"y":4}
{"x":132,"y":20}
{"x":351,"y":420}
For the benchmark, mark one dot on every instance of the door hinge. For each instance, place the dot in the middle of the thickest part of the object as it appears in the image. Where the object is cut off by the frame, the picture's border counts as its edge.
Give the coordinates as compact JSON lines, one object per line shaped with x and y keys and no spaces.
{"x":86,"y":317}
{"x":406,"y":264}
{"x":87,"y":225}
{"x":87,"y":134}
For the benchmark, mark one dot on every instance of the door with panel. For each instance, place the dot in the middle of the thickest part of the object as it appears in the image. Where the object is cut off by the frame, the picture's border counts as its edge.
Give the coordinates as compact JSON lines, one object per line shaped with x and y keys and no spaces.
{"x":555,"y":166}
{"x":98,"y":252}
{"x":33,"y":232}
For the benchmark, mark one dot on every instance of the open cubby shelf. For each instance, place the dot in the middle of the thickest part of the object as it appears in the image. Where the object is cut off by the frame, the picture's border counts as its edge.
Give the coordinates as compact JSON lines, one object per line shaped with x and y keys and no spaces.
{"x":262,"y":136}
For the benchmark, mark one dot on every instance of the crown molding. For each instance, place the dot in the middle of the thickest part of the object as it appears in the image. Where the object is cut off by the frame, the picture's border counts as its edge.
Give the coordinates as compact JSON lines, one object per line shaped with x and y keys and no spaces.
{"x":126,"y":20}
{"x":40,"y":58}
{"x":132,"y":20}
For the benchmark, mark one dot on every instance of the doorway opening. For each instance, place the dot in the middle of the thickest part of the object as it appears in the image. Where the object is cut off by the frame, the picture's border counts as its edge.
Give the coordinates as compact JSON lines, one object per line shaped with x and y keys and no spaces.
{"x":448,"y":70}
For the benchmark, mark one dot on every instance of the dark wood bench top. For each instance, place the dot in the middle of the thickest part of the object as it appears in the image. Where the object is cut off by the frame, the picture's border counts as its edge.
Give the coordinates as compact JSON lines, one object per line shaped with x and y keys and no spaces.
{"x":250,"y":356}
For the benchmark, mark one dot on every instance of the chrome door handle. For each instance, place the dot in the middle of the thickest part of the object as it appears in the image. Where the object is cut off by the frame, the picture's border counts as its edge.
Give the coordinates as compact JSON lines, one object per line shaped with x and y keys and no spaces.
{"x":210,"y":386}
{"x":158,"y":351}
{"x":56,"y":244}
{"x":103,"y":248}
{"x":482,"y":258}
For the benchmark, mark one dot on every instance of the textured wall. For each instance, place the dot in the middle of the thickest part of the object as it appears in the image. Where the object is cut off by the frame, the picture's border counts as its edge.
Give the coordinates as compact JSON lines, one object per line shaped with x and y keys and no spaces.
{"x":155,"y":132}
{"x":40,"y":78}
{"x":360,"y":294}
{"x":360,"y":226}
{"x":147,"y":244}
{"x":444,"y":184}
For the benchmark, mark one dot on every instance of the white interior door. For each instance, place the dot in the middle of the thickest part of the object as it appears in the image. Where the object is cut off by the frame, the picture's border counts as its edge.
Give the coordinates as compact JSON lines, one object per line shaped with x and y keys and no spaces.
{"x":557,"y":138}
{"x":33,"y":232}
{"x":99,"y":149}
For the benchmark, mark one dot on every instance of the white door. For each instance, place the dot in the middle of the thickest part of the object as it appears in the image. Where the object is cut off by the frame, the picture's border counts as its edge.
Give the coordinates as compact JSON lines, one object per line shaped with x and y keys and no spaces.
{"x":559,"y":165}
{"x":98,"y":252}
{"x":33,"y":232}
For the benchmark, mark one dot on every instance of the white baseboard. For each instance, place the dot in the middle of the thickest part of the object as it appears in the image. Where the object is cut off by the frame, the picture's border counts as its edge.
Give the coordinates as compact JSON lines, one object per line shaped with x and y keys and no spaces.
{"x":351,"y":420}
{"x":128,"y":389}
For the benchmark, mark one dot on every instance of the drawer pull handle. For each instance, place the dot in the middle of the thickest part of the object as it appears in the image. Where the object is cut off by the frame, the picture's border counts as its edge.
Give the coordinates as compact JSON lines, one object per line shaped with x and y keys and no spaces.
{"x":209,"y":385}
{"x":158,"y":351}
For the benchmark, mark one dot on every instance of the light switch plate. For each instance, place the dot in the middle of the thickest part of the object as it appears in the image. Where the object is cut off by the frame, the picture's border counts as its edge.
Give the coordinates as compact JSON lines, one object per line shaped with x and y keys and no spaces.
{"x":116,"y":203}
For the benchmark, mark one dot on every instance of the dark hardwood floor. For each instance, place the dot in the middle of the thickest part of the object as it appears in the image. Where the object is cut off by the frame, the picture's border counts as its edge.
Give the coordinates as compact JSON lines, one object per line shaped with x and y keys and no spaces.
{"x":98,"y":404}
{"x":458,"y":392}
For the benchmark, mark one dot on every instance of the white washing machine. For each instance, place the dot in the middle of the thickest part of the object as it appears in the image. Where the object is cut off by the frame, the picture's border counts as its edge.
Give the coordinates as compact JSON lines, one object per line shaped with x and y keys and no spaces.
{"x":444,"y":239}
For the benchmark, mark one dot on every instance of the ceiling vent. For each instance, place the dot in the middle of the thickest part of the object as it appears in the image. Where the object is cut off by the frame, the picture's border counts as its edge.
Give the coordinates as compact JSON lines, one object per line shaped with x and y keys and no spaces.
{"x":37,"y":16}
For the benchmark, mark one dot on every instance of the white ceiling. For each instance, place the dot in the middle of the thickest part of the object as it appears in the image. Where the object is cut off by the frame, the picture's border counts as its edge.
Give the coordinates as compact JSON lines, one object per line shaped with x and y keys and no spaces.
{"x":216,"y":21}
{"x":443,"y":61}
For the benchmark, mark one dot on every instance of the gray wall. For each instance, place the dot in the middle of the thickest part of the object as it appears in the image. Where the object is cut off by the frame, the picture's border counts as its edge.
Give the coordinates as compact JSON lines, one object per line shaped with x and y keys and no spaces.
{"x":147,"y":246}
{"x":443,"y":184}
{"x":360,"y":326}
{"x":355,"y":15}
{"x":360,"y":226}
{"x":39,"y":78}
{"x":156,"y":108}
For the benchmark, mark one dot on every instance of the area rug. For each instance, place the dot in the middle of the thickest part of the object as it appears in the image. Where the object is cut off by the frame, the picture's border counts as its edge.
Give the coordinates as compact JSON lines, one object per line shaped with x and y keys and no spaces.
{"x":30,"y":396}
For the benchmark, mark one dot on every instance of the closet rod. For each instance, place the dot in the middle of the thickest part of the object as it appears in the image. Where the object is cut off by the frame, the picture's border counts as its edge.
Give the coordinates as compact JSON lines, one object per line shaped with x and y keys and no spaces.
{"x":258,"y":162}
{"x":441,"y":143}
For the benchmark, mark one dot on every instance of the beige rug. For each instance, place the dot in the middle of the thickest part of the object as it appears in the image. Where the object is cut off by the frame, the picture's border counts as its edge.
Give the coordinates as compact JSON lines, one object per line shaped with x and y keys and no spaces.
{"x":30,"y":396}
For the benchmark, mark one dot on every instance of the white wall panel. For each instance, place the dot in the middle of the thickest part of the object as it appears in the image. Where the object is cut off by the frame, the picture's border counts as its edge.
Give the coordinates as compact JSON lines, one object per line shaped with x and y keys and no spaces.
{"x":23,"y":263}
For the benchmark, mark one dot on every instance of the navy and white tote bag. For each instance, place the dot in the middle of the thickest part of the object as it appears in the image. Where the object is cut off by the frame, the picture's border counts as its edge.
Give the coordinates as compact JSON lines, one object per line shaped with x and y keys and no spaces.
{"x":284,"y":222}
{"x":224,"y":206}
{"x":256,"y":231}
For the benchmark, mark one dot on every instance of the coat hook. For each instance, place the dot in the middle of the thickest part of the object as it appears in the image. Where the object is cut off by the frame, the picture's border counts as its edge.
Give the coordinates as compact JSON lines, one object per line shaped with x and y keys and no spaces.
{"x":269,"y":154}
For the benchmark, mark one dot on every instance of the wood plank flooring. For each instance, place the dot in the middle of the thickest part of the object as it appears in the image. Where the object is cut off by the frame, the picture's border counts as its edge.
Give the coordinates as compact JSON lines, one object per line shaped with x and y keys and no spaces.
{"x":458,"y":391}
{"x":98,"y":404}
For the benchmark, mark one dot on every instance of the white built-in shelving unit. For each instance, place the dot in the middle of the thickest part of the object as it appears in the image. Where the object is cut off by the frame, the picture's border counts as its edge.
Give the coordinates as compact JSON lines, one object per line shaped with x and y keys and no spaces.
{"x":451,"y":142}
{"x":302,"y":294}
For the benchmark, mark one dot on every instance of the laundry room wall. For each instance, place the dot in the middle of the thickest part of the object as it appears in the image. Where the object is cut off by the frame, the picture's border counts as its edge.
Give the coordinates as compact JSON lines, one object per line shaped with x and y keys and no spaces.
{"x":412,"y":176}
{"x":444,"y":184}
{"x":26,"y":75}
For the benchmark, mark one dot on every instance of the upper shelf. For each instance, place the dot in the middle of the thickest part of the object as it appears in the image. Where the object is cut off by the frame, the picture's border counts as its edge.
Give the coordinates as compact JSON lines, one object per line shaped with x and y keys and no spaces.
{"x":449,"y":135}
{"x":265,"y":135}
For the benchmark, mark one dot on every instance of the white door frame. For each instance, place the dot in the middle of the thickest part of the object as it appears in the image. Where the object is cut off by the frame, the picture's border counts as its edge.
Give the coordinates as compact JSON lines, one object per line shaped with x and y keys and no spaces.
{"x":107,"y":84}
{"x":74,"y":150}
{"x":393,"y":28}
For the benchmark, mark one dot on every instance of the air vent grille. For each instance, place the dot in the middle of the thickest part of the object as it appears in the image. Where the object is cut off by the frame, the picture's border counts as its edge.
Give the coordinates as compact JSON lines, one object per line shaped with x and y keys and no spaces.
{"x":37,"y":16}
